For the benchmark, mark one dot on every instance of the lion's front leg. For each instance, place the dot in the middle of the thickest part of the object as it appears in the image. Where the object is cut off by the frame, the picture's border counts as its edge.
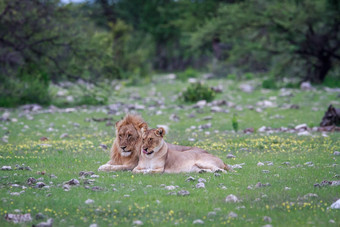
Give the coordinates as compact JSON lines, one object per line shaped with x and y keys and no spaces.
{"x":138,"y":169}
{"x":158,"y":170}
{"x":108,"y":167}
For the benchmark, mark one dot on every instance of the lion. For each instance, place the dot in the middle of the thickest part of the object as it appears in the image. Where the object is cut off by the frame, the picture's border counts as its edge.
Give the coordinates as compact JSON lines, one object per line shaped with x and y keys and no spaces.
{"x":125,"y":150}
{"x":157,"y":157}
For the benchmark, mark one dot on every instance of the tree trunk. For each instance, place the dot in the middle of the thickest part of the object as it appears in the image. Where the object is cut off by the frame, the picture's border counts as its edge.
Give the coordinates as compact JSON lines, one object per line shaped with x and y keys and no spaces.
{"x":321,"y":70}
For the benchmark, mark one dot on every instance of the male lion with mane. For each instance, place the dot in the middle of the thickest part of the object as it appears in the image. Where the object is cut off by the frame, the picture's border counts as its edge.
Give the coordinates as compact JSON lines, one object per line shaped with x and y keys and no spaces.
{"x":126,"y":147}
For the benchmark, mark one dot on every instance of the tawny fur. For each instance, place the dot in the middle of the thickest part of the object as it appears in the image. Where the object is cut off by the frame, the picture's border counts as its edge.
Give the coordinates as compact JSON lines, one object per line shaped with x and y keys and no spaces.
{"x":157,"y":157}
{"x":133,"y":124}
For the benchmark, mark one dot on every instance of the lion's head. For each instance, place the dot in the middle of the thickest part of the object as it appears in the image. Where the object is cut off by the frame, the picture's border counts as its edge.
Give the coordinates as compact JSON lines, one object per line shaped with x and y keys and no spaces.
{"x":152,"y":140}
{"x":128,"y":134}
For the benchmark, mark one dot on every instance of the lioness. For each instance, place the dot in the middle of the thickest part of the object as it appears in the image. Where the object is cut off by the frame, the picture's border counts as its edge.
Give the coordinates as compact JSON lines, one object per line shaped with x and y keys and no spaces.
{"x":157,"y":157}
{"x":125,"y":150}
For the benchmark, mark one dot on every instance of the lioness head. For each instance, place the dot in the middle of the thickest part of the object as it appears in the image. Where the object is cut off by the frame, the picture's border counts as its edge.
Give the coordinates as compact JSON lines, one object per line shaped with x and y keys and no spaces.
{"x":128,"y":132}
{"x":152,"y":140}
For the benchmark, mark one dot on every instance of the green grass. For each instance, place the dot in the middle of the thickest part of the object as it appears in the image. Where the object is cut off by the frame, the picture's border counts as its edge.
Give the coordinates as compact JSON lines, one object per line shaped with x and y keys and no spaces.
{"x":65,"y":158}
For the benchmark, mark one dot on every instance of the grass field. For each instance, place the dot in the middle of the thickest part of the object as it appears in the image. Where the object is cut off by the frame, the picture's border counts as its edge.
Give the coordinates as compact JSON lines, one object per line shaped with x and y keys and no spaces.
{"x":292,"y":163}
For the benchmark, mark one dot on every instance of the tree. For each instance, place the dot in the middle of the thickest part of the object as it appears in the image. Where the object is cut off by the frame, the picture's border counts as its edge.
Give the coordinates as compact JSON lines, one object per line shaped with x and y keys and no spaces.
{"x":302,"y":36}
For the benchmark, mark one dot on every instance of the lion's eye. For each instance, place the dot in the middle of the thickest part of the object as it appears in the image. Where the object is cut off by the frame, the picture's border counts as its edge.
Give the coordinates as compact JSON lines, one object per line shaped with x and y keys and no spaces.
{"x":129,"y":136}
{"x":150,"y":139}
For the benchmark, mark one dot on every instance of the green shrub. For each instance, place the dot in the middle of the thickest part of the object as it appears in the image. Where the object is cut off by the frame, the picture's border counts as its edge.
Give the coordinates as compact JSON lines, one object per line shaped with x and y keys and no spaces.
{"x":234,"y":123}
{"x":188,"y":73}
{"x":269,"y":84}
{"x":249,"y":76}
{"x":30,"y":85}
{"x":198,"y":91}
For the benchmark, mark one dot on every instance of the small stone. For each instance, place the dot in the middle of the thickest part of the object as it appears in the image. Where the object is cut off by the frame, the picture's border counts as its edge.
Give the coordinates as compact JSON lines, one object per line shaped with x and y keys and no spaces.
{"x":217,"y":174}
{"x":31,"y":180}
{"x":64,"y":135}
{"x":6,"y":168}
{"x":260,"y":164}
{"x":265,"y":171}
{"x":332,"y":221}
{"x":15,"y":193}
{"x":198,"y":221}
{"x":286,"y":163}
{"x":190,"y":179}
{"x":200,"y":185}
{"x":137,"y":222}
{"x":72,"y":182}
{"x":66,"y":187}
{"x":250,"y":187}
{"x":40,"y":216}
{"x":336,"y":205}
{"x":183,"y":193}
{"x":93,"y":225}
{"x":304,"y":133}
{"x":336,"y":153}
{"x":260,"y":185}
{"x":96,"y":188}
{"x":212,"y":214}
{"x":231,"y":156}
{"x":40,"y":184}
{"x":287,"y":188}
{"x":232,"y":215}
{"x":201,"y":180}
{"x":94,"y":176}
{"x":89,"y":201}
{"x":231,"y":199}
{"x":267,"y":219}
{"x":170,"y":187}
{"x":310,"y":195}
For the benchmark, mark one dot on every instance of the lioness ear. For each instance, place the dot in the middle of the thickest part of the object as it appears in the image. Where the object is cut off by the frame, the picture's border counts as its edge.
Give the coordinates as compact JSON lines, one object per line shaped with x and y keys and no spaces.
{"x":160,"y":132}
{"x":143,"y":127}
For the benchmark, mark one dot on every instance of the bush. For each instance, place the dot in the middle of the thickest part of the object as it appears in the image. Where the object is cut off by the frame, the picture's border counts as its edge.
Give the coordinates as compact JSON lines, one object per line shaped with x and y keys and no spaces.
{"x":234,"y":123}
{"x":29,"y":86}
{"x":188,"y":73}
{"x":196,"y":92}
{"x":269,"y":84}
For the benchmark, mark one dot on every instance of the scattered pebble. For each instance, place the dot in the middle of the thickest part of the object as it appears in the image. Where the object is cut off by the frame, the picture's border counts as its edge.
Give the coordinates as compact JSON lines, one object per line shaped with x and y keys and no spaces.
{"x":170,"y":187}
{"x":211,"y":214}
{"x":89,"y":201}
{"x":137,"y":222}
{"x":200,"y":185}
{"x":336,"y":205}
{"x":336,"y":153}
{"x":190,"y":179}
{"x":183,"y":193}
{"x":260,"y":164}
{"x":267,"y":219}
{"x":231,"y":156}
{"x":231,"y":199}
{"x":48,"y":223}
{"x":6,"y":168}
{"x":18,"y":218}
{"x":232,"y":215}
{"x":201,"y":180}
{"x":198,"y":221}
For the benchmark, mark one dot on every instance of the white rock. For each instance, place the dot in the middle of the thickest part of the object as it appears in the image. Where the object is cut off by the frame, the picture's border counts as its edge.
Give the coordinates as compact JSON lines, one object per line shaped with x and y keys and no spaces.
{"x":15,"y":193}
{"x":336,"y":205}
{"x":138,"y":222}
{"x":262,"y":129}
{"x":200,"y":185}
{"x":170,"y":187}
{"x":336,"y":153}
{"x":304,"y":133}
{"x":231,"y":156}
{"x":260,"y":164}
{"x":231,"y":199}
{"x":198,"y":221}
{"x":232,"y":215}
{"x":301,"y":126}
{"x":6,"y":168}
{"x":201,"y":180}
{"x":306,"y":86}
{"x":201,"y":103}
{"x":93,"y":225}
{"x":246,"y":88}
{"x":89,"y":201}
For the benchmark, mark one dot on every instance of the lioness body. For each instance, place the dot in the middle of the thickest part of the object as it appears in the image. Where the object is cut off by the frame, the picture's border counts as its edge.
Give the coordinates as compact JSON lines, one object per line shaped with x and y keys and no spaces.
{"x":157,"y":157}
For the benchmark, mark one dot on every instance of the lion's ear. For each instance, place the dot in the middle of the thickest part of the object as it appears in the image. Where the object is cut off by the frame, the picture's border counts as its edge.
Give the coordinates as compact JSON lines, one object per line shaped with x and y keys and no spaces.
{"x":160,"y":132}
{"x":117,"y":124}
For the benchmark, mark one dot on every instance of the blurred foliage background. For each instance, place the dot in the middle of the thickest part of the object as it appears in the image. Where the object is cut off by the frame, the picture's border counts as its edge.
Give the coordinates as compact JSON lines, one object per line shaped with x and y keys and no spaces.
{"x":49,"y":41}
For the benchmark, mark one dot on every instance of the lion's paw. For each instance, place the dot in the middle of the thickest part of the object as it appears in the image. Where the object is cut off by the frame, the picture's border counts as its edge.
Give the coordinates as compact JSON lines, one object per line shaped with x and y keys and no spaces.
{"x":105,"y":167}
